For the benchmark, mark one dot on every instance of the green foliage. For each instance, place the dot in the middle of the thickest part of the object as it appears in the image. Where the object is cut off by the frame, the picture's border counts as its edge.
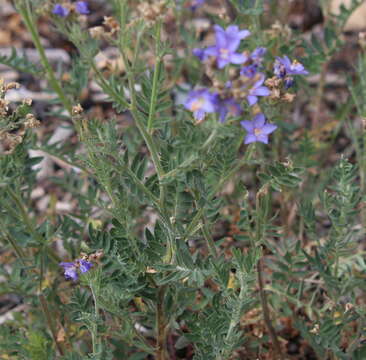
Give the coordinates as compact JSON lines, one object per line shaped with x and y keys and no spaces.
{"x":20,"y":63}
{"x":195,"y":239}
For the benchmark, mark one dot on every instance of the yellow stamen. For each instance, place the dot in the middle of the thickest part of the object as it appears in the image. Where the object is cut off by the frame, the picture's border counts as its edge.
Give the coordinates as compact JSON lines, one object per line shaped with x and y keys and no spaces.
{"x":224,"y":53}
{"x":197,"y":105}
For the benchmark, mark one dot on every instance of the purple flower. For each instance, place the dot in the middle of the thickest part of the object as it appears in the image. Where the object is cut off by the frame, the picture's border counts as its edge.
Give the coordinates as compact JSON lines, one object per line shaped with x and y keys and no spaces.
{"x":257,"y":130}
{"x":289,"y":82}
{"x":257,"y":90}
{"x":59,"y":10}
{"x":201,"y":102}
{"x":70,"y":268}
{"x":257,"y":55}
{"x":284,"y":66}
{"x":228,"y":106}
{"x":82,"y":7}
{"x":195,"y":4}
{"x":227,"y":42}
{"x":200,"y":53}
{"x":84,"y":265}
{"x":249,"y":71}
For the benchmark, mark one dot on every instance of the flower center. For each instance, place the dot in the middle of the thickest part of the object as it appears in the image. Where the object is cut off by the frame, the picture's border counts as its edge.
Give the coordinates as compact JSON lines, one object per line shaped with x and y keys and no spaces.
{"x":233,"y":110}
{"x":224,"y":53}
{"x":257,"y":131}
{"x":197,"y":104}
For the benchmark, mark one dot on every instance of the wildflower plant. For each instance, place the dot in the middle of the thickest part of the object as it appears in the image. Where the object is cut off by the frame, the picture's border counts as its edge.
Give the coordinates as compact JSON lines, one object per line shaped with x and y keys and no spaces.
{"x":205,"y":222}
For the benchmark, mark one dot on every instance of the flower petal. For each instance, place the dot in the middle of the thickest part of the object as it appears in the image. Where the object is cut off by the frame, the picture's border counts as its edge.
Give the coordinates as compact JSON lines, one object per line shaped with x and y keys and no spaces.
{"x":260,"y":91}
{"x":247,"y":125}
{"x":250,"y":139}
{"x":84,"y":265}
{"x":252,"y":99}
{"x":221,"y":63}
{"x":259,"y":120}
{"x":268,"y":129}
{"x":238,"y":58}
{"x":263,"y":139}
{"x":212,"y":51}
{"x":199,"y":115}
{"x":221,"y":40}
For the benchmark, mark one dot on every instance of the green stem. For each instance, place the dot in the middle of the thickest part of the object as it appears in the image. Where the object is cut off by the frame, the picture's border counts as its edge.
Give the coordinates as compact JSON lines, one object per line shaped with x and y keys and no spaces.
{"x":155,"y":87}
{"x":18,"y":250}
{"x":94,"y":332}
{"x":261,"y":215}
{"x":266,"y":312}
{"x":29,"y":224}
{"x":161,"y":325}
{"x":50,"y":323}
{"x":235,"y":318}
{"x":42,"y":299}
{"x":210,"y":241}
{"x":141,"y":126}
{"x":26,"y":13}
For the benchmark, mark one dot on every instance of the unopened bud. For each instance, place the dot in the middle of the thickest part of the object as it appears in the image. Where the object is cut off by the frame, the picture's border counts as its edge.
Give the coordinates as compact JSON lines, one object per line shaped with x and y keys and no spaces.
{"x":31,"y":121}
{"x":27,"y":102}
{"x":77,"y":109}
{"x":12,"y":85}
{"x":97,"y":32}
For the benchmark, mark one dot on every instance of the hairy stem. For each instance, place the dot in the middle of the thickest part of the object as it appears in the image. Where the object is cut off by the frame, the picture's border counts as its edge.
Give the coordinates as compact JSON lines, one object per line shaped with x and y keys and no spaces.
{"x":161,"y":326}
{"x":49,"y":320}
{"x":30,"y":225}
{"x":26,"y":13}
{"x":266,"y":316}
{"x":155,"y":85}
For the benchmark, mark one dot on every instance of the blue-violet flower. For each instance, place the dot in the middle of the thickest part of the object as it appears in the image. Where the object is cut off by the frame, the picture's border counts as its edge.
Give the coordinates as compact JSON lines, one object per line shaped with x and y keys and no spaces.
{"x":82,"y":7}
{"x":200,"y":53}
{"x":201,"y":102}
{"x":257,"y":90}
{"x":195,"y":4}
{"x":228,"y":106}
{"x":70,"y":268}
{"x":283,"y":67}
{"x":257,"y":130}
{"x":60,"y":10}
{"x":227,"y":42}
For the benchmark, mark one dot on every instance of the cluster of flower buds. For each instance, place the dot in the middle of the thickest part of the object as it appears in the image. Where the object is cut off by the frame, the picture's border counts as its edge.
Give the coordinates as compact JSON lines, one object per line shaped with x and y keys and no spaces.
{"x":195,"y":4}
{"x":152,"y":11}
{"x":84,"y":264}
{"x":284,"y":71}
{"x":64,"y":9}
{"x":246,"y":83}
{"x":107,"y":31}
{"x":14,"y":122}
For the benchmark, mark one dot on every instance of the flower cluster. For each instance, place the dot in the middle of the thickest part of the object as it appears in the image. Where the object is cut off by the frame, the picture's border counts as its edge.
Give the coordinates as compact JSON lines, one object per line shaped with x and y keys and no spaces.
{"x":15,"y":121}
{"x":63,"y":10}
{"x":246,"y":83}
{"x":285,"y":69}
{"x":71,"y":269}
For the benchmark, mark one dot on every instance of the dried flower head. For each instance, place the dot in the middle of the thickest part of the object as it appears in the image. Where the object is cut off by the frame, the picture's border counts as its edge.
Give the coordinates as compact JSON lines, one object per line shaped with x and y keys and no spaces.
{"x":112,"y":24}
{"x":77,"y":109}
{"x":97,"y":32}
{"x":4,"y":107}
{"x":12,"y":85}
{"x":151,"y":12}
{"x":31,"y":122}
